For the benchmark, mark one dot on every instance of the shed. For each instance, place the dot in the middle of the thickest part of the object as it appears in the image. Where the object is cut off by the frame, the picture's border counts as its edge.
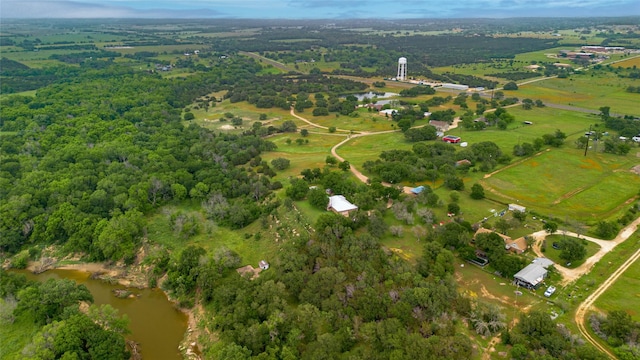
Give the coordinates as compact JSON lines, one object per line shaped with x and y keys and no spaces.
{"x":340,"y":205}
{"x":388,"y":112}
{"x":263,"y":265}
{"x":516,"y":207}
{"x":417,"y":190}
{"x":531,"y":276}
{"x":439,"y":125}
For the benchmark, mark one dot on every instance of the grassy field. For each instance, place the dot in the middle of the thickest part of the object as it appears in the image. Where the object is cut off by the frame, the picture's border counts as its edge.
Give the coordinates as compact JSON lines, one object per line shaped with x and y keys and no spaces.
{"x":588,"y":90}
{"x":364,"y":148}
{"x":365,"y":121}
{"x":554,"y":254}
{"x":211,"y":236}
{"x":624,"y":294}
{"x":15,"y":336}
{"x":582,"y":189}
{"x":628,"y":63}
{"x":306,"y":156}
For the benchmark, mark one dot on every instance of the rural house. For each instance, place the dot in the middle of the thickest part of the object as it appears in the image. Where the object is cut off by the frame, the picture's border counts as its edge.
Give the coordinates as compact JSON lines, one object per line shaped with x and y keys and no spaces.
{"x":533,"y":274}
{"x":340,"y":205}
{"x":517,"y":246}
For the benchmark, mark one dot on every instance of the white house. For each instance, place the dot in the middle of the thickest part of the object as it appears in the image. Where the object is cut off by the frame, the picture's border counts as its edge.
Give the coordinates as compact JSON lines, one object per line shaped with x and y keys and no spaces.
{"x":340,"y":205}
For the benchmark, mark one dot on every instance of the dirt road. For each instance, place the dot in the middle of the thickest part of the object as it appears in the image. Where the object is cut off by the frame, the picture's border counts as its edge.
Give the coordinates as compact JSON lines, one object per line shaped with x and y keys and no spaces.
{"x":569,"y":275}
{"x":582,"y":310}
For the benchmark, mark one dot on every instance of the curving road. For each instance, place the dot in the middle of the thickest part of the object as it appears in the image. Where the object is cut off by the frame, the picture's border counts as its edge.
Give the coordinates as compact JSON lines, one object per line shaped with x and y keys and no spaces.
{"x":582,"y":310}
{"x":569,"y":275}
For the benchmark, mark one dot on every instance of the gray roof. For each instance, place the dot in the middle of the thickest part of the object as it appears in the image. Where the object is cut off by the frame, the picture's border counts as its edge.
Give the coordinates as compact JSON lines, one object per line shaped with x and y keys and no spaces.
{"x":340,"y":204}
{"x":532,"y":274}
{"x":544,"y":262}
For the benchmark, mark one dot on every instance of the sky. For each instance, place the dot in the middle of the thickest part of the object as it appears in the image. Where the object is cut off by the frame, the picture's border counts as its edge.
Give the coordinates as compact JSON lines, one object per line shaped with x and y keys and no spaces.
{"x":315,"y":9}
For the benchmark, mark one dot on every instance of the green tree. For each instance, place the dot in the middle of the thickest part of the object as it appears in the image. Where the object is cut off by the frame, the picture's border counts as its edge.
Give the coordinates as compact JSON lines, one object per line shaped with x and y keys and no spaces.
{"x":510,"y":86}
{"x":189,"y":116}
{"x":572,"y":250}
{"x":502,"y":225}
{"x":318,"y":198}
{"x":477,"y":191}
{"x":280,"y":163}
{"x":47,"y":301}
{"x":550,"y":227}
{"x":288,"y":126}
{"x":344,"y":166}
{"x":298,"y":189}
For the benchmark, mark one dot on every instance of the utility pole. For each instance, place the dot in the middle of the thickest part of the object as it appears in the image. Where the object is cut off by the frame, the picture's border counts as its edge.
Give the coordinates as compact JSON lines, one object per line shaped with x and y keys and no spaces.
{"x":586,"y":147}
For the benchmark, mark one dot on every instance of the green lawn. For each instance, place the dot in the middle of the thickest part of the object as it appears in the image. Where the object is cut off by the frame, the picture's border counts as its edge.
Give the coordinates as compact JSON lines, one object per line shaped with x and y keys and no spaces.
{"x":554,"y":254}
{"x":567,"y":183}
{"x":590,"y":90}
{"x":624,"y":294}
{"x":360,"y":149}
{"x":305,"y":156}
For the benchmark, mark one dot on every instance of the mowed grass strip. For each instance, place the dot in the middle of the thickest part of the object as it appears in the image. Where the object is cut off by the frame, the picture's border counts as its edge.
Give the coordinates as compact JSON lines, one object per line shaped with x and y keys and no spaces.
{"x":363,"y":148}
{"x":624,"y":294}
{"x":589,"y":90}
{"x":304,"y":156}
{"x":549,"y":180}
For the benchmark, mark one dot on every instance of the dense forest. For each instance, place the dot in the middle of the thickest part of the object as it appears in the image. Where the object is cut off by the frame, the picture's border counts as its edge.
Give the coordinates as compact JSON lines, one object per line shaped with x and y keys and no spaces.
{"x":83,"y":161}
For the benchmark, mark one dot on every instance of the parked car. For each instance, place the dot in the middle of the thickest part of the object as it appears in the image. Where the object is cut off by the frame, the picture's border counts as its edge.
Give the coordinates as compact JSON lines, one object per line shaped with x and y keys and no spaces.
{"x":451,"y":139}
{"x":636,"y":138}
{"x":556,"y":245}
{"x":550,"y":291}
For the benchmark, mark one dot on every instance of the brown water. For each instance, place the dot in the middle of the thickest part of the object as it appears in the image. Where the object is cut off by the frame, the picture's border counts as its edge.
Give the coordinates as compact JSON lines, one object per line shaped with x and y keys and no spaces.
{"x":155,"y":324}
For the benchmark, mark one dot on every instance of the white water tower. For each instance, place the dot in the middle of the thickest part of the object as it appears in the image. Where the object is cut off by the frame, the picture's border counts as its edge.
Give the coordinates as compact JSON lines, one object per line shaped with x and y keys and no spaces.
{"x":402,"y":69}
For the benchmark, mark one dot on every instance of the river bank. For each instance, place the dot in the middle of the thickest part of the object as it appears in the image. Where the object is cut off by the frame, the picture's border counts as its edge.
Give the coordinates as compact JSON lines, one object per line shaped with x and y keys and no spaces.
{"x":131,"y":277}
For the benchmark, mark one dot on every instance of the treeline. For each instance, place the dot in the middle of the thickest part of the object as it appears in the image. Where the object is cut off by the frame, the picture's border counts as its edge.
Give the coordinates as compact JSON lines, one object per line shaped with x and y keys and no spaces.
{"x":77,"y":58}
{"x":62,"y":331}
{"x":85,"y":160}
{"x":433,"y":161}
{"x":278,"y":90}
{"x":17,"y":77}
{"x":515,"y":75}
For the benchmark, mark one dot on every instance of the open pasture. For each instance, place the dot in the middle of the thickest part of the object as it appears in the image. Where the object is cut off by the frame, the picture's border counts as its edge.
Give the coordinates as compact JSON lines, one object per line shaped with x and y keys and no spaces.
{"x":554,"y":255}
{"x":590,"y":90}
{"x":628,"y":63}
{"x":304,"y":156}
{"x":545,"y":121}
{"x":561,"y":182}
{"x":365,"y":121}
{"x":624,"y":294}
{"x":363,"y":148}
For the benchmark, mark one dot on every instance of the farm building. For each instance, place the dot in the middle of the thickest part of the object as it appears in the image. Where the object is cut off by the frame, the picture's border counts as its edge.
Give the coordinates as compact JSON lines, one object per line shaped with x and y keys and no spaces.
{"x":439,"y":125}
{"x":455,"y":86}
{"x":340,"y":205}
{"x":515,"y":207}
{"x":388,"y":112}
{"x":517,"y":246}
{"x":533,"y":274}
